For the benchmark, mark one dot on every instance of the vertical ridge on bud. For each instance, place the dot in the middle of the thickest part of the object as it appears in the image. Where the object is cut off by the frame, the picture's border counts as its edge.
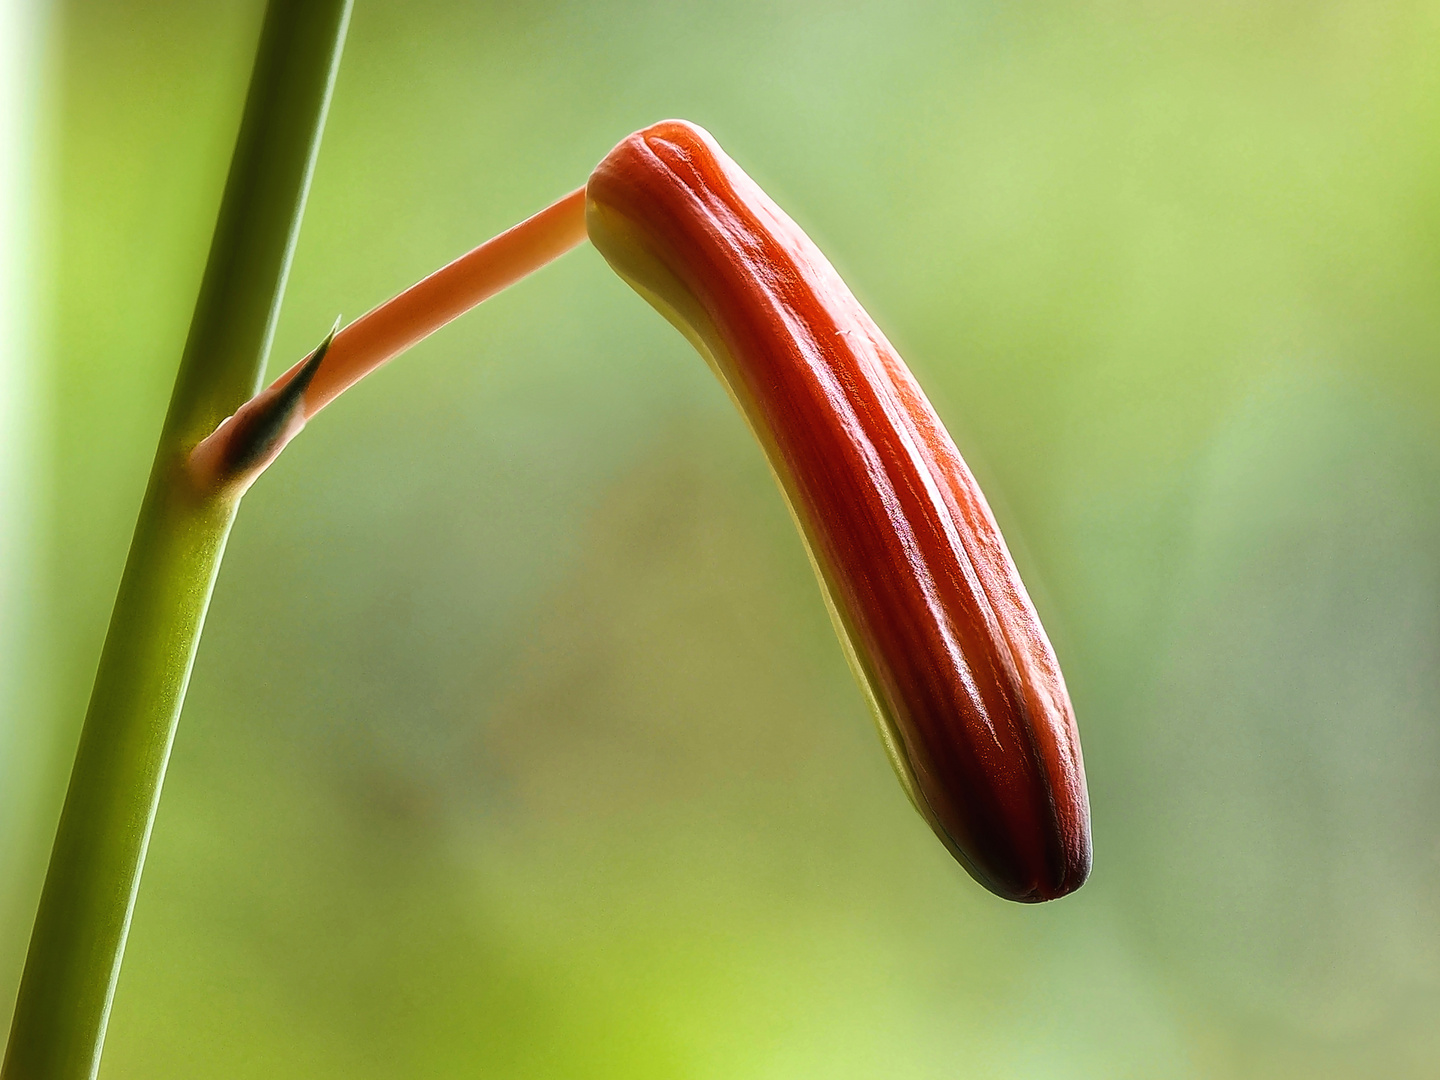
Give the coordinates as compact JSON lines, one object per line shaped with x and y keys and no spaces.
{"x":937,"y":625}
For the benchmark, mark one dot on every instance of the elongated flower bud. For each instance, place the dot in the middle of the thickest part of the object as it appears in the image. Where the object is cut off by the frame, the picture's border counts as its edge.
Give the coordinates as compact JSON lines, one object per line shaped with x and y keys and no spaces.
{"x":925,"y":598}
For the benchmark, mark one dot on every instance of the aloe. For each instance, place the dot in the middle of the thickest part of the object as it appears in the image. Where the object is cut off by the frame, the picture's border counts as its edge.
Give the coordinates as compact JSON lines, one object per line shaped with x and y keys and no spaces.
{"x":94,"y":874}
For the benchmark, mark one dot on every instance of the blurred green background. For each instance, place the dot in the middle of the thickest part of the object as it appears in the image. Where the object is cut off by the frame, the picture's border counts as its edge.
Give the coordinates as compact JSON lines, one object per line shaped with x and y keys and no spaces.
{"x":519,"y":744}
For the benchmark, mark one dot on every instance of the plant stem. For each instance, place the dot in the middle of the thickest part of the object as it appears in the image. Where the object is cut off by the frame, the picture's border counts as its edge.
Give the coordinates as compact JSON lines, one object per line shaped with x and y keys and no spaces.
{"x":94,"y":875}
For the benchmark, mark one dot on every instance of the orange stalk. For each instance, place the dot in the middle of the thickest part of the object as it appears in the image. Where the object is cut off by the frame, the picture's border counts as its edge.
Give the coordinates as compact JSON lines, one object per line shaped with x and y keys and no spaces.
{"x":394,"y":326}
{"x":380,"y":335}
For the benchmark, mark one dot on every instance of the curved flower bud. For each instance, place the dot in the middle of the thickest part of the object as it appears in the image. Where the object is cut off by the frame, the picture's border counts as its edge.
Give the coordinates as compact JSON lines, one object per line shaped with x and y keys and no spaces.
{"x":937,"y":626}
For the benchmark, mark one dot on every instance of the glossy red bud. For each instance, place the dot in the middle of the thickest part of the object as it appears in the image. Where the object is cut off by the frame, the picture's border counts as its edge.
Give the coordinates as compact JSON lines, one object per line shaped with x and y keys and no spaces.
{"x":938,"y":628}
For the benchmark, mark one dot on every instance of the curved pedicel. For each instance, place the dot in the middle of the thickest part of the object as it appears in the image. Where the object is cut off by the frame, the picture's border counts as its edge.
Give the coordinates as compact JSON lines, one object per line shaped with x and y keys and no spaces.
{"x":938,"y":628}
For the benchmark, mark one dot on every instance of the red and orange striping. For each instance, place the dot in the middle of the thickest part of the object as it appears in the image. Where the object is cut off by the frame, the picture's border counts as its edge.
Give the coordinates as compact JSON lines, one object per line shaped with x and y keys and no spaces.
{"x":941,"y":633}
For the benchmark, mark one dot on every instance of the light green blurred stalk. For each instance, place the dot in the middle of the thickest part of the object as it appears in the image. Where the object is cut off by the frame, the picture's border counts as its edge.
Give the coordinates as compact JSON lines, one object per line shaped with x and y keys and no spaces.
{"x":22,"y":652}
{"x":90,"y":888}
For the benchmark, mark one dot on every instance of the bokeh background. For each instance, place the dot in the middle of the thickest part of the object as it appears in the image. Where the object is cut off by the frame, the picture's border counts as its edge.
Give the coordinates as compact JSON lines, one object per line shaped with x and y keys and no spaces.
{"x":519,"y":744}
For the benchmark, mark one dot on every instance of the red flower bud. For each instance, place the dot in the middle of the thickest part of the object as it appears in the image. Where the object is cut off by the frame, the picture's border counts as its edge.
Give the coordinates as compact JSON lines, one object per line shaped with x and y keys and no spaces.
{"x":925,"y":598}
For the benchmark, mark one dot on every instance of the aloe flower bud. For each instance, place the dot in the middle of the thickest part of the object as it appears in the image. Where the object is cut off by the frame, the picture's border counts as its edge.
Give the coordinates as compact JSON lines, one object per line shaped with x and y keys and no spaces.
{"x":938,"y":628}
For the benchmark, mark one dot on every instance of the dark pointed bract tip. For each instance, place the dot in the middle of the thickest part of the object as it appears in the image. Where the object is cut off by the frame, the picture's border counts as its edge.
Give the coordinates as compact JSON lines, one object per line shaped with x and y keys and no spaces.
{"x":229,"y":459}
{"x":262,"y":425}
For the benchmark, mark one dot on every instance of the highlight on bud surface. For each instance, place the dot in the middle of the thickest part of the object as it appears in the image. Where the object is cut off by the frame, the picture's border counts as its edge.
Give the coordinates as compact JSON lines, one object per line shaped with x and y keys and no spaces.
{"x":938,"y":628}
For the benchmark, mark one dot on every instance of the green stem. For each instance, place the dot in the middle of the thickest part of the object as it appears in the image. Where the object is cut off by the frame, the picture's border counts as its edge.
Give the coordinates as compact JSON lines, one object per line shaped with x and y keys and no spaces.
{"x":94,"y":875}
